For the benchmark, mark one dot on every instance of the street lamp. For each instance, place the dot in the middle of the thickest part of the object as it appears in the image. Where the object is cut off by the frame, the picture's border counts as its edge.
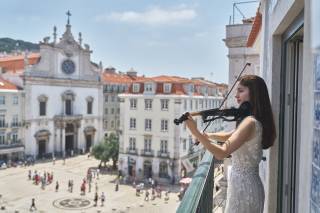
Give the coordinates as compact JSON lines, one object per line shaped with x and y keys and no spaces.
{"x":172,"y":169}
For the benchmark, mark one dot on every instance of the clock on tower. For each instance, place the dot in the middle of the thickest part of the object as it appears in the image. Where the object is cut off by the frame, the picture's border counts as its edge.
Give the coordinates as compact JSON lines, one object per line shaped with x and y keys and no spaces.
{"x":68,"y":66}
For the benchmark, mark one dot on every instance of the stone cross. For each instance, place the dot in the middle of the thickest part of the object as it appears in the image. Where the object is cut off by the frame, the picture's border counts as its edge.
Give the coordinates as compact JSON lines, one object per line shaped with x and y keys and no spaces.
{"x":68,"y":14}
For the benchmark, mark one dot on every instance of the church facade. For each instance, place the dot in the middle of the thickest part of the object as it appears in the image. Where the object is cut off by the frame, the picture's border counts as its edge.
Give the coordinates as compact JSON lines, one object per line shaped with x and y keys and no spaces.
{"x":63,"y":99}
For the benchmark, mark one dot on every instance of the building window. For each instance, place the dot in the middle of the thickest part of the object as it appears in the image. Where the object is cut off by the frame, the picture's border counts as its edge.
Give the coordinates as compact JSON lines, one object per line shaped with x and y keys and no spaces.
{"x":112,"y":111}
{"x":148,"y":104}
{"x":148,"y":87}
{"x":118,"y":123}
{"x":118,"y":110}
{"x":15,"y":100}
{"x":14,"y":137}
{"x":166,"y":88}
{"x":136,"y":88}
{"x":133,"y":103}
{"x":106,"y":124}
{"x":132,"y":143}
{"x":2,"y":138}
{"x":68,"y":104}
{"x":132,"y":123}
{"x":15,"y":120}
{"x":164,"y":125}
{"x":106,"y":98}
{"x":201,"y":104}
{"x":42,"y":106}
{"x":164,"y":104}
{"x":89,"y":107}
{"x":106,"y":111}
{"x":2,"y":100}
{"x":191,"y":104}
{"x":147,"y":144}
{"x":112,"y":124}
{"x":112,"y":98}
{"x":184,"y":144}
{"x":163,"y":146}
{"x":197,"y":105}
{"x":163,"y":170}
{"x":2,"y":121}
{"x":147,"y":124}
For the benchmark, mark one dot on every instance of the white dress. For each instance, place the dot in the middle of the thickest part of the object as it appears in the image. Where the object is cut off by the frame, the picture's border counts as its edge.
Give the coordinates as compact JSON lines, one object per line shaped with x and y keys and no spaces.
{"x":245,"y":193}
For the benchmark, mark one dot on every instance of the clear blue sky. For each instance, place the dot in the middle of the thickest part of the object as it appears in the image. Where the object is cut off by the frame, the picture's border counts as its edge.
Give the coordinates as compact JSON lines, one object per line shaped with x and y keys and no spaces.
{"x":180,"y":37}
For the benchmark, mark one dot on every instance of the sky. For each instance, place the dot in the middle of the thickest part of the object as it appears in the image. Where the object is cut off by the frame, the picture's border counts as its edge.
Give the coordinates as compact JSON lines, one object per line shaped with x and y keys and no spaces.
{"x":167,"y":37}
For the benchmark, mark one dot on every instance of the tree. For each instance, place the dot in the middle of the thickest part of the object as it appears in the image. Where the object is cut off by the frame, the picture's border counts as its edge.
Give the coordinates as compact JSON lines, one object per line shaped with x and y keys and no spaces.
{"x":106,"y":150}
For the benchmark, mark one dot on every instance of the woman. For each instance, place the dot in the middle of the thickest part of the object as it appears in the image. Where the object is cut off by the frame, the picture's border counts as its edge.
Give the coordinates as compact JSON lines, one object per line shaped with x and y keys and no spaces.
{"x":245,"y":192}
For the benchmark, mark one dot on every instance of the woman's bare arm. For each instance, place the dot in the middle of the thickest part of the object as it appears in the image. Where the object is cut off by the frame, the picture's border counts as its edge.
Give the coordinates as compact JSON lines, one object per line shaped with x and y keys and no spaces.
{"x":242,"y":134}
{"x":220,"y":136}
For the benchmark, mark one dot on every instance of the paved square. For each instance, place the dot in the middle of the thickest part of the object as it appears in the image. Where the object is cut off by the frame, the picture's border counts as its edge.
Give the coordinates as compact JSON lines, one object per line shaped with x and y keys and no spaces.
{"x":17,"y":191}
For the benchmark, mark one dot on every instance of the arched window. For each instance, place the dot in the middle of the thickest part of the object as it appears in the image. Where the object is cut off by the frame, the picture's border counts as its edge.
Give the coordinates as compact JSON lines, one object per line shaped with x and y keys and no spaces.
{"x":89,"y":104}
{"x":42,"y":105}
{"x":68,"y":98}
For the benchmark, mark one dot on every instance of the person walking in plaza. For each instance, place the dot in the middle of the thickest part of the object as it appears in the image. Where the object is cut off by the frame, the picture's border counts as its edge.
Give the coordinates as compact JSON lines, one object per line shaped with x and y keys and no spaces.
{"x":95,"y":199}
{"x":102,"y":197}
{"x":57,"y":186}
{"x":245,"y":193}
{"x":89,"y":186}
{"x":29,"y":174}
{"x":96,"y":186}
{"x":146,"y":198}
{"x":33,"y":205}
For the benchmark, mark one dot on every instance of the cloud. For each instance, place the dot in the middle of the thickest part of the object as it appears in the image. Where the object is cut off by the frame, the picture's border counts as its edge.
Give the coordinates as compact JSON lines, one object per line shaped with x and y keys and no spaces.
{"x":153,"y":16}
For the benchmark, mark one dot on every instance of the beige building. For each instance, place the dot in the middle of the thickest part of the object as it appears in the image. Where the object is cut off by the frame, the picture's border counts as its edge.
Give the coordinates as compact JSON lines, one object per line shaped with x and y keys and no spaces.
{"x":11,"y":121}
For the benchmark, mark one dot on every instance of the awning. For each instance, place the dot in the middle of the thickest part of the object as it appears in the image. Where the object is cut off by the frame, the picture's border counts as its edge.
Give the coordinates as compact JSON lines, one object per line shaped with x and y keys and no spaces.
{"x":186,"y":163}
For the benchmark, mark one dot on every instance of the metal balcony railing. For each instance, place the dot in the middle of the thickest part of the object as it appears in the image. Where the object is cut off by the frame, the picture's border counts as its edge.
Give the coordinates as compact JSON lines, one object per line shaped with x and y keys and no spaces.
{"x":132,"y":151}
{"x":162,"y":154}
{"x":147,"y":152}
{"x":199,"y":195}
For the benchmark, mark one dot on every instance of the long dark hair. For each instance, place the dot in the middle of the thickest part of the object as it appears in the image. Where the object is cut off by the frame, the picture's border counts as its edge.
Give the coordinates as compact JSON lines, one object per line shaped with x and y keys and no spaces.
{"x":261,"y":107}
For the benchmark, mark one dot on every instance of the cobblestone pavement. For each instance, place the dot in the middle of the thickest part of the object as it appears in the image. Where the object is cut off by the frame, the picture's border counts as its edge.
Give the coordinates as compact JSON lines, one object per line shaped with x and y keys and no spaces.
{"x":17,"y":191}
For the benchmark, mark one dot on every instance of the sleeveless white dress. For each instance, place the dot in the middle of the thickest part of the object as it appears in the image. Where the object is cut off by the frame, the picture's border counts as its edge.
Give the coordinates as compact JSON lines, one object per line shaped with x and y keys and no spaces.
{"x":245,"y":193}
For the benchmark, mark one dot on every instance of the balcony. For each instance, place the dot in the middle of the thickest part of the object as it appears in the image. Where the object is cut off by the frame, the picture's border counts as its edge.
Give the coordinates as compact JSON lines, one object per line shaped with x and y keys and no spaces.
{"x":132,"y":151}
{"x":16,"y":124}
{"x":3,"y":125}
{"x":147,"y":152}
{"x":15,"y":146}
{"x":67,"y":117}
{"x":199,"y":195}
{"x":162,"y":154}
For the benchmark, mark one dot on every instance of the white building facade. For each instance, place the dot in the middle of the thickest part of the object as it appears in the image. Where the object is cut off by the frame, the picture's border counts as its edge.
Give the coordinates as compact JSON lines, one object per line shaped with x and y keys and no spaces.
{"x":63,"y":102}
{"x":151,"y":145}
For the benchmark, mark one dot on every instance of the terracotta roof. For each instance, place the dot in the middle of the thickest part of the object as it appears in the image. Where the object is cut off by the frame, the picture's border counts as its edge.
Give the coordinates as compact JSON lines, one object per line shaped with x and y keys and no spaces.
{"x":4,"y":84}
{"x":15,"y":63}
{"x":256,"y":26}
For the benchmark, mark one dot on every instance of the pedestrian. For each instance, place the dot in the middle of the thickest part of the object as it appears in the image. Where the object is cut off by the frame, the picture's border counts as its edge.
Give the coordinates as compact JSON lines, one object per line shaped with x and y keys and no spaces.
{"x":153,"y":194}
{"x":57,"y":186}
{"x":33,"y":205}
{"x":102,"y":197}
{"x":95,"y":199}
{"x":71,"y":186}
{"x":146,"y":198}
{"x":96,"y":187}
{"x":29,"y":174}
{"x":89,"y":185}
{"x":98,"y":171}
{"x":117,"y":187}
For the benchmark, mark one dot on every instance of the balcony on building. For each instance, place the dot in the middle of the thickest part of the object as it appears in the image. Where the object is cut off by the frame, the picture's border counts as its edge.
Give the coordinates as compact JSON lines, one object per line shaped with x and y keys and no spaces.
{"x":163,"y":154}
{"x":147,"y":152}
{"x":199,"y":197}
{"x":132,"y":151}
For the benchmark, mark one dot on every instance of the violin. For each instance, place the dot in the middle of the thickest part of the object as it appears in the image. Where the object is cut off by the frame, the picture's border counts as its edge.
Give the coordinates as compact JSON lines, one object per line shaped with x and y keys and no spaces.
{"x":232,"y":114}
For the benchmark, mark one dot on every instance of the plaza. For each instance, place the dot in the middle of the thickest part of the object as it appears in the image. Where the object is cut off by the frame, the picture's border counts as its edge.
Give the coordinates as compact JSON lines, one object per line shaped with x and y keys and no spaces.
{"x":17,"y":190}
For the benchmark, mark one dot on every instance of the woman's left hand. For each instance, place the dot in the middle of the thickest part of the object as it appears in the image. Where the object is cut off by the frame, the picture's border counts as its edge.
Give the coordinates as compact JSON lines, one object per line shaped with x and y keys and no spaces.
{"x":191,"y":124}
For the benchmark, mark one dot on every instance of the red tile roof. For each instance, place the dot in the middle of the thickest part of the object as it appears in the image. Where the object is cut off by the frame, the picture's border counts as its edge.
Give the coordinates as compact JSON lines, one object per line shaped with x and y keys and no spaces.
{"x":256,"y":26}
{"x":15,"y":63}
{"x":4,"y":84}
